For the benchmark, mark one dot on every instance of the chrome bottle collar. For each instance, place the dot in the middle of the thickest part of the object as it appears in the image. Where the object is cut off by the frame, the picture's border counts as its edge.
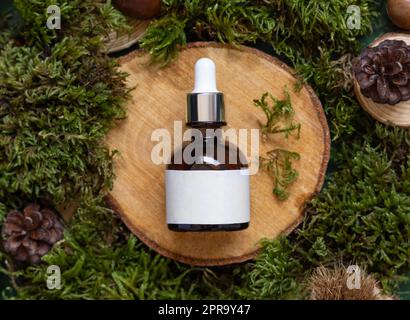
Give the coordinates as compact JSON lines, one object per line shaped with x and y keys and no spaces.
{"x":205,"y":107}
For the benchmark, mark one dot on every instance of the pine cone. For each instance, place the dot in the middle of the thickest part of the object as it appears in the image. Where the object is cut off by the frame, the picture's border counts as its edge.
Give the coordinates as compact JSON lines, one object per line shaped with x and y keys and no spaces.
{"x":29,"y":236}
{"x":383,"y":72}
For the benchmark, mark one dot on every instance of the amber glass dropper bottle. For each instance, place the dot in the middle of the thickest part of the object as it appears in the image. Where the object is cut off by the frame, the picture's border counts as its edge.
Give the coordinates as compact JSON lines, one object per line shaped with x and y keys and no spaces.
{"x":208,"y":192}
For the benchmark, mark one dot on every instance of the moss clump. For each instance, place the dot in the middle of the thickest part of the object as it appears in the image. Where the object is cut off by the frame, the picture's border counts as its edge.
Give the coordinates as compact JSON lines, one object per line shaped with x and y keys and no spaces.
{"x":295,"y":28}
{"x":59,"y":94}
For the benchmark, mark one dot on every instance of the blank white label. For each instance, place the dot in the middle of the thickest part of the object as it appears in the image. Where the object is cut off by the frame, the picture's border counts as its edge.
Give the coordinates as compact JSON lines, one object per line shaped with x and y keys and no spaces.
{"x":207,"y":196}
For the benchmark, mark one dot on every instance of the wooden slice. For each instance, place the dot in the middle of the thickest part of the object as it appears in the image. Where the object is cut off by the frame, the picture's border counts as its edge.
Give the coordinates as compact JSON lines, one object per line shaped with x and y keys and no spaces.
{"x":120,"y":41}
{"x":243,"y":74}
{"x":398,"y":114}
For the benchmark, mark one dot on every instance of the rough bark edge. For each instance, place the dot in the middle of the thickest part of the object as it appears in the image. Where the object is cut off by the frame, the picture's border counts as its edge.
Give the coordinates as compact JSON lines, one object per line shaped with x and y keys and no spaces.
{"x":321,"y":176}
{"x":366,"y":103}
{"x":122,"y":41}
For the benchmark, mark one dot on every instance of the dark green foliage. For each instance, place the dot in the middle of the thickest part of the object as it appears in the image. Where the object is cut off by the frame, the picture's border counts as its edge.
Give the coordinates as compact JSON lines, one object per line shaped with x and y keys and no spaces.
{"x":4,"y":28}
{"x":276,"y":273}
{"x":332,"y":81}
{"x":56,"y":104}
{"x":86,"y":20}
{"x":368,"y":202}
{"x":295,"y":28}
{"x":163,"y":46}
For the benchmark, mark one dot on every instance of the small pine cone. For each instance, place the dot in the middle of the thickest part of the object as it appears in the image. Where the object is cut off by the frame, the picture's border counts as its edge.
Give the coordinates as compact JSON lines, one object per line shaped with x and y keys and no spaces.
{"x":30,"y":235}
{"x":383,"y":72}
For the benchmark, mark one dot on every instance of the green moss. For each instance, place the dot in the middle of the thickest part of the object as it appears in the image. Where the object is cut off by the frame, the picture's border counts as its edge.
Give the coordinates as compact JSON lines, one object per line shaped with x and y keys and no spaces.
{"x":276,"y":273}
{"x":59,"y":95}
{"x":295,"y":28}
{"x":279,"y":115}
{"x":58,"y":99}
{"x":163,"y":39}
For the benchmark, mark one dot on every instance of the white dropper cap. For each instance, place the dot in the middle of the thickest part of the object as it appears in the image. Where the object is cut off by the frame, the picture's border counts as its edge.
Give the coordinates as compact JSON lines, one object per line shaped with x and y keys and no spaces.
{"x":205,"y":76}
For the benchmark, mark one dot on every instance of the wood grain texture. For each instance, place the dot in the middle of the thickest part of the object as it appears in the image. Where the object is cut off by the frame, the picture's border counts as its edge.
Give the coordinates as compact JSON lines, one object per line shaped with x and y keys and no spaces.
{"x":117,"y":42}
{"x":398,"y":114}
{"x":160,"y":98}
